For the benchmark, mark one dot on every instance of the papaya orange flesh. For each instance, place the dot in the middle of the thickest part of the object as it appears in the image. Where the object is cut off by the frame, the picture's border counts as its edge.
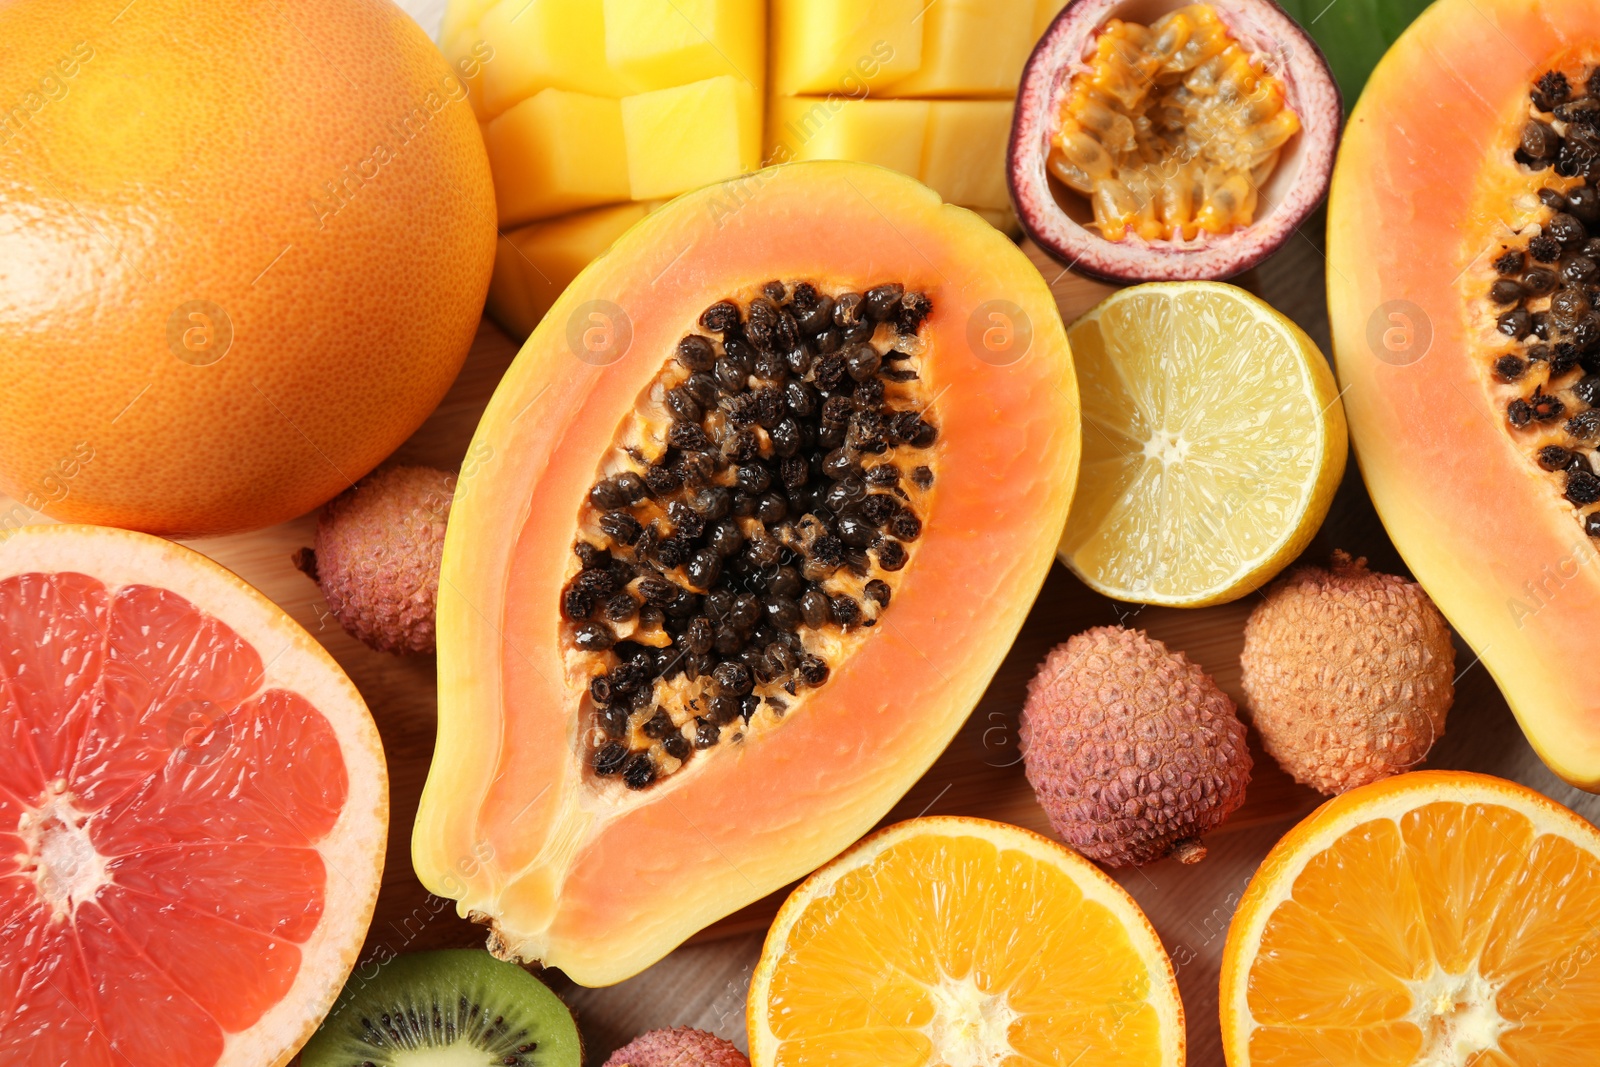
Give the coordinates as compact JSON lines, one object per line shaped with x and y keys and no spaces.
{"x":569,"y":856}
{"x":1471,"y":431}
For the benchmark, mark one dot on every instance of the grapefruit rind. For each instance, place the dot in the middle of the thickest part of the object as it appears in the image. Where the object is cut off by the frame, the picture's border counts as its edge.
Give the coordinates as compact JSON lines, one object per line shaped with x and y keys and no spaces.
{"x":1096,"y":886}
{"x":292,"y":660}
{"x":1389,"y":799}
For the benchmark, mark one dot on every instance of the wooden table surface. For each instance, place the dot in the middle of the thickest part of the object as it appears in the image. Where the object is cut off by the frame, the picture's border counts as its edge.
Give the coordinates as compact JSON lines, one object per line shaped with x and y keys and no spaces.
{"x":703,"y":984}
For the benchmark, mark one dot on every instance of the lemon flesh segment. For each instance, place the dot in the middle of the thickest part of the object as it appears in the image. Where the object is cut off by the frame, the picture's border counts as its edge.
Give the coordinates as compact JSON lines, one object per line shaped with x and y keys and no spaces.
{"x":1213,"y":442}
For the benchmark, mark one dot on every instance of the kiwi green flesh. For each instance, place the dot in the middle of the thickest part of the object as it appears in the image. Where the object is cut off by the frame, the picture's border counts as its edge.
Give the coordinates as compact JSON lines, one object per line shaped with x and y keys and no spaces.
{"x":452,"y":1008}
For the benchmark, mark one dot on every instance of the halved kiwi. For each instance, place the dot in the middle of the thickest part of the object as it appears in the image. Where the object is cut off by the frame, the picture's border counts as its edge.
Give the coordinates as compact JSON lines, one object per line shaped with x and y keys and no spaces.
{"x":453,"y":1008}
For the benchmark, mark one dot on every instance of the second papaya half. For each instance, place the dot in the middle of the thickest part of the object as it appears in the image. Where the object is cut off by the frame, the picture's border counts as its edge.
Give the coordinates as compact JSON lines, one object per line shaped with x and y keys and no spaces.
{"x":1464,"y":290}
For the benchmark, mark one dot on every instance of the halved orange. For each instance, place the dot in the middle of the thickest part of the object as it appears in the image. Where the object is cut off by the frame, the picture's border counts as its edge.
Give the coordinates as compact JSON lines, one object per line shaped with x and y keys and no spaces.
{"x":963,"y":942}
{"x":193,"y":809}
{"x":1437,"y":918}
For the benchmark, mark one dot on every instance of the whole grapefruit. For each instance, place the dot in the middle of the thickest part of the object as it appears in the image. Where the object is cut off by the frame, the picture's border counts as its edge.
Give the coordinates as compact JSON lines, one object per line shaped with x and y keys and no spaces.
{"x":244,"y":247}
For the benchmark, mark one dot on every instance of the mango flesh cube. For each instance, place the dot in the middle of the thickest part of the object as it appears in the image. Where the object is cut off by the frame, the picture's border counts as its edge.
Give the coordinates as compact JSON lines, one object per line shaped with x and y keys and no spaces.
{"x":658,"y":44}
{"x":964,"y":157}
{"x":588,"y":103}
{"x":556,"y":152}
{"x":544,"y":44}
{"x":510,"y":304}
{"x":680,"y":139}
{"x":548,"y":255}
{"x":890,"y":133}
{"x":843,"y":46}
{"x":971,"y":48}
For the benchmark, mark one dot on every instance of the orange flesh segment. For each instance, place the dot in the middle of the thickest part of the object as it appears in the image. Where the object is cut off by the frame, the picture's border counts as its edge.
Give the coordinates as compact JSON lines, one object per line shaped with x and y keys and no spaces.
{"x":950,"y":918}
{"x":134,"y":723}
{"x":1172,"y":128}
{"x":1460,"y":934}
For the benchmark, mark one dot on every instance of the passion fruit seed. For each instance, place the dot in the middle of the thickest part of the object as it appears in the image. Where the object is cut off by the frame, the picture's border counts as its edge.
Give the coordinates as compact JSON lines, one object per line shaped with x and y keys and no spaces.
{"x":1545,"y":293}
{"x":1170,"y":129}
{"x":754,"y":518}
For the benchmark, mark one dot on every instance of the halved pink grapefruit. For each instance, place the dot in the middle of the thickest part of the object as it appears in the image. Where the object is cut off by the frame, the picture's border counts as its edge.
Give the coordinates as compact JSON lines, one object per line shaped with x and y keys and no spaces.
{"x":193,"y":808}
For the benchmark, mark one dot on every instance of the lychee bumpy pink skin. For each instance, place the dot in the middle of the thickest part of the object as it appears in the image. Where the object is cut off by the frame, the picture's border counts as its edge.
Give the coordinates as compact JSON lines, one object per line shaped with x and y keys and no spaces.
{"x":1132,"y":750}
{"x":679,"y":1047}
{"x":1348,"y":674}
{"x":377,"y":556}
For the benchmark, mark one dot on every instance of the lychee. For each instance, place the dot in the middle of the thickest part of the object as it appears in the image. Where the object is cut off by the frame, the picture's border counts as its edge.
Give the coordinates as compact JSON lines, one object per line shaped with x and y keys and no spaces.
{"x":1348,"y":674}
{"x":377,"y":556}
{"x":1132,"y":750}
{"x":679,"y":1047}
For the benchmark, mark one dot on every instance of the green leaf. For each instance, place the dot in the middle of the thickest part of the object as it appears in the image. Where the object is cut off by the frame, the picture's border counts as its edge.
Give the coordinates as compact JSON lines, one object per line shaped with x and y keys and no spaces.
{"x":1354,"y":34}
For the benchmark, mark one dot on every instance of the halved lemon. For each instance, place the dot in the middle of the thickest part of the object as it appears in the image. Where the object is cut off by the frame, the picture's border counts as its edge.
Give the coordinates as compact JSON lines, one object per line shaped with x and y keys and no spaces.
{"x":1213,"y":442}
{"x":963,"y":942}
{"x":1438,"y":918}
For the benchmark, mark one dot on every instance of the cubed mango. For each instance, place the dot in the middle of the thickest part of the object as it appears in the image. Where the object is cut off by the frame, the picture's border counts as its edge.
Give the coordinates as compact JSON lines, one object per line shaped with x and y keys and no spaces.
{"x":843,"y":46}
{"x":682,"y":138}
{"x":557,"y":152}
{"x":971,"y":48}
{"x":549,"y":254}
{"x":1045,"y":14}
{"x":510,"y":304}
{"x":890,"y":133}
{"x":658,"y":44}
{"x":544,"y":44}
{"x":964,"y":155}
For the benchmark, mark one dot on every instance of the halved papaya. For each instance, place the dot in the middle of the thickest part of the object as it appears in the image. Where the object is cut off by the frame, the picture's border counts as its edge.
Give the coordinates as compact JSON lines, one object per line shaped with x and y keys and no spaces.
{"x":765,"y":500}
{"x":1463,"y":262}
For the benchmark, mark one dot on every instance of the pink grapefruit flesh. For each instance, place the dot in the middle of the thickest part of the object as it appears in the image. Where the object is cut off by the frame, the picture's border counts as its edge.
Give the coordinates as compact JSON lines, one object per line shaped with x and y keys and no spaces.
{"x":193,"y":806}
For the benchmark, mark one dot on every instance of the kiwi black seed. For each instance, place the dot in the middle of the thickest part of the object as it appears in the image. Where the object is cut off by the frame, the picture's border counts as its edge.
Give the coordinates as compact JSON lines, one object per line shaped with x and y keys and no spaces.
{"x":781,"y":472}
{"x":462,"y":1004}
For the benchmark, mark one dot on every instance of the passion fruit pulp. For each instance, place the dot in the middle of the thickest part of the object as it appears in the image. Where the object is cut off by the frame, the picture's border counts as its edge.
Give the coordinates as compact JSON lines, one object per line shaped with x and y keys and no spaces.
{"x":1158,"y":141}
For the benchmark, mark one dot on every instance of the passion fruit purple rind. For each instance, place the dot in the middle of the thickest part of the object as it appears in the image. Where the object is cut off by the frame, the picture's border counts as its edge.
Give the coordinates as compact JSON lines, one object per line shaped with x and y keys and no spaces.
{"x":1234,"y":103}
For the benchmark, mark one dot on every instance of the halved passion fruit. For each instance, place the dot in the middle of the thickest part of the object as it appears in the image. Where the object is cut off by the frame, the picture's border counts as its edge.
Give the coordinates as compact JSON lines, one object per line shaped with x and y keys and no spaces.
{"x":1157,"y":141}
{"x":767,"y":496}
